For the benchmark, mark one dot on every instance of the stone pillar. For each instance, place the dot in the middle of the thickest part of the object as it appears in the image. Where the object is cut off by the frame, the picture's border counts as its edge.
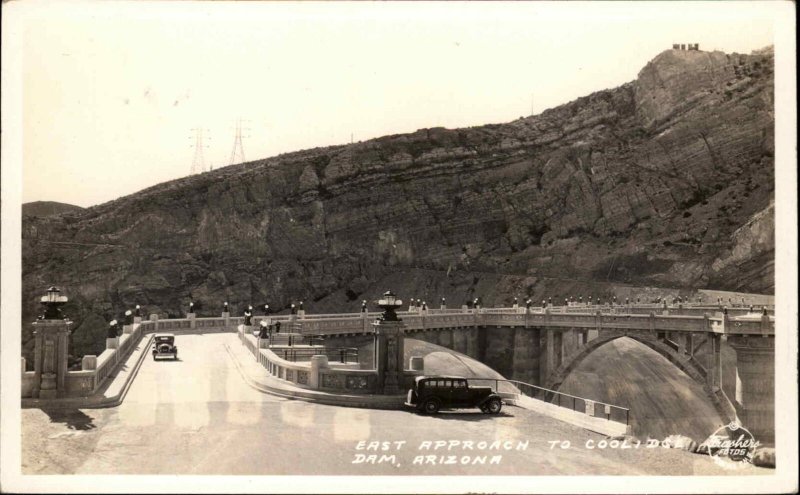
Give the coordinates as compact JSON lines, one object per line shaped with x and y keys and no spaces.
{"x":547,"y":361}
{"x":714,"y":362}
{"x":446,"y":338}
{"x":137,"y":319}
{"x":127,"y":329}
{"x":690,"y":343}
{"x":112,"y":343}
{"x":472,"y":342}
{"x":459,"y":341}
{"x":226,"y":315}
{"x":50,"y":358}
{"x":755,"y":384}
{"x":569,"y":342}
{"x":526,"y":355}
{"x":318,"y":363}
{"x":89,"y":363}
{"x":680,"y":339}
{"x":558,"y":348}
{"x":417,"y":363}
{"x":389,"y":344}
{"x":190,"y":317}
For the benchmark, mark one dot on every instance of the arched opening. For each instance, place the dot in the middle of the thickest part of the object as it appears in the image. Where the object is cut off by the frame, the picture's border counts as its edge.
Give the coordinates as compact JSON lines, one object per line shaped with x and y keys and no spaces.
{"x":663,"y":399}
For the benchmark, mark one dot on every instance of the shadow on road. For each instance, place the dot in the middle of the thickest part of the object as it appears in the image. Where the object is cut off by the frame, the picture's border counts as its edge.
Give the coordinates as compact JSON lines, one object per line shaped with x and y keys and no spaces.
{"x":73,"y":418}
{"x":469,"y":416}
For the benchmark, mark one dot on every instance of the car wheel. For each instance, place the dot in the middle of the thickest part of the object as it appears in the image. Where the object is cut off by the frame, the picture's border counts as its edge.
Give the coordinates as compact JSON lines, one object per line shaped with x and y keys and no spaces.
{"x":431,"y":406}
{"x":484,"y":409}
{"x":494,"y":406}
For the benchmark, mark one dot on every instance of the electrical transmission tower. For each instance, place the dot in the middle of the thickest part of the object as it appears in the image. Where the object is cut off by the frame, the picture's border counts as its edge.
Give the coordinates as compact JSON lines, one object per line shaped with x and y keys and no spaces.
{"x":199,"y":162}
{"x":238,"y":148}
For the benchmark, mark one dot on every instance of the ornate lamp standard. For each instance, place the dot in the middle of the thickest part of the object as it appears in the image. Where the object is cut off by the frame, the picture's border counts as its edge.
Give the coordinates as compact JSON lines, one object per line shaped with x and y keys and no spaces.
{"x":51,"y":334}
{"x":389,"y":340}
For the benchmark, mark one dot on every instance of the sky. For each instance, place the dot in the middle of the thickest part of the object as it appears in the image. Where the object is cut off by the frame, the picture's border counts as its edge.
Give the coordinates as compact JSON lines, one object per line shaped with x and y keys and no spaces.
{"x":112,"y":91}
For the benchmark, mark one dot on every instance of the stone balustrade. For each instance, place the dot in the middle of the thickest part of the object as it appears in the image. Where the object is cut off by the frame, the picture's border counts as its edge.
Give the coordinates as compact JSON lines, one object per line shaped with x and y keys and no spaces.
{"x":95,"y":369}
{"x":587,"y":317}
{"x":317,"y":374}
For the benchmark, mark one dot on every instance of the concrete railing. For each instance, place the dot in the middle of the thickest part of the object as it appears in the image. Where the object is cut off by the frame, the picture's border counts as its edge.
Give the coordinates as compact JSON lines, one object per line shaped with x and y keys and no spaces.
{"x":588,"y":317}
{"x":95,"y":369}
{"x":317,"y":374}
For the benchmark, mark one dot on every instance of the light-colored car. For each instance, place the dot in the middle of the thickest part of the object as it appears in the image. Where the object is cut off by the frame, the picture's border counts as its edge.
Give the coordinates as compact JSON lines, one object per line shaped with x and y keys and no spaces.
{"x":164,"y":345}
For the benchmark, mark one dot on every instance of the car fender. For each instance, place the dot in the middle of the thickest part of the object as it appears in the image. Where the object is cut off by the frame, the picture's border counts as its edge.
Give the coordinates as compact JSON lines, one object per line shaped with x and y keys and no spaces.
{"x":490,"y":397}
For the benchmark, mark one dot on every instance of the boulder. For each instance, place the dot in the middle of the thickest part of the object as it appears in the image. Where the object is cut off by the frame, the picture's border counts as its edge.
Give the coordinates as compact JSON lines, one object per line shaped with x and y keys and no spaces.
{"x":764,"y":457}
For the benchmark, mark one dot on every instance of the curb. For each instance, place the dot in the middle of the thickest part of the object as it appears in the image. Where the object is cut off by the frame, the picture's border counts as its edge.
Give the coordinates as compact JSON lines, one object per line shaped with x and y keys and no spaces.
{"x":91,"y":402}
{"x":310,"y":396}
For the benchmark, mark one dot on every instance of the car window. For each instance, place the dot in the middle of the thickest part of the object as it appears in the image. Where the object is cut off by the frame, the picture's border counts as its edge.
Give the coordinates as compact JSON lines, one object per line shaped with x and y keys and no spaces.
{"x":448,"y":383}
{"x":440,"y":383}
{"x":459,"y":384}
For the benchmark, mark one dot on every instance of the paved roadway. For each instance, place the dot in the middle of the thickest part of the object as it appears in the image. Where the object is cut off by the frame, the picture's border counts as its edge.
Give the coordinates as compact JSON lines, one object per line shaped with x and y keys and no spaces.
{"x":198,"y":416}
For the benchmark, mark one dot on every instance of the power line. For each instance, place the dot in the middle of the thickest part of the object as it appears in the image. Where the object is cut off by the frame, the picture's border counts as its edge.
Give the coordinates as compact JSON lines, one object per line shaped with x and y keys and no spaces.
{"x":238,"y":148}
{"x":199,"y":162}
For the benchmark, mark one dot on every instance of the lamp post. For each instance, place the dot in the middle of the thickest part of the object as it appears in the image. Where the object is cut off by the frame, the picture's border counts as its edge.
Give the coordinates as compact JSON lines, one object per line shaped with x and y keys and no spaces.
{"x":51,"y":334}
{"x":389,"y":303}
{"x":389,"y":343}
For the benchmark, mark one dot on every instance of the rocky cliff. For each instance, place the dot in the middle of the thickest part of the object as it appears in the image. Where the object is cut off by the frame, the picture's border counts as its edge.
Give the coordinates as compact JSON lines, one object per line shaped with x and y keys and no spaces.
{"x":665,"y":181}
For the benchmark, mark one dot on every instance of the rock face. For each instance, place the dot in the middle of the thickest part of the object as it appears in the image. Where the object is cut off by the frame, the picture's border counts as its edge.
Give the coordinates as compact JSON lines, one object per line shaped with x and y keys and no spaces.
{"x":664,"y":181}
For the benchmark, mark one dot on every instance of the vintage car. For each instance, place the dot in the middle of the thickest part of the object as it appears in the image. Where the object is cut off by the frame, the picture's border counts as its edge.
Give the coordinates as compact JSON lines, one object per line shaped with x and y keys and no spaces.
{"x":432,"y":393}
{"x":164,"y":345}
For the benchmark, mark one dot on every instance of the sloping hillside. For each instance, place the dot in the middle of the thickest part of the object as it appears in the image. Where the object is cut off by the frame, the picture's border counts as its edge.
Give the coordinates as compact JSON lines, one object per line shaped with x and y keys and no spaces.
{"x":47,"y":208}
{"x":666,"y":181}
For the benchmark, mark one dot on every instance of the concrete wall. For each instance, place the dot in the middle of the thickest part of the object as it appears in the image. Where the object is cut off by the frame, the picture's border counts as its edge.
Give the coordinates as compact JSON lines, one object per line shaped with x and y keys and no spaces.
{"x":499,"y":349}
{"x":527,"y":349}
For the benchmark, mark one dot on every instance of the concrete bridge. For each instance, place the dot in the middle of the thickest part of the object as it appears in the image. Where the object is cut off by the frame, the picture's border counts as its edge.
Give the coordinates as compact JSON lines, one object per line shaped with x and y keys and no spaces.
{"x":537,"y":345}
{"x":542,"y":345}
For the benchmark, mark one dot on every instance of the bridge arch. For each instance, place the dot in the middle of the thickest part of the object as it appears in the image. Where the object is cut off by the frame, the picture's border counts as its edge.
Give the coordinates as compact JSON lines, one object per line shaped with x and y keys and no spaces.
{"x":573,"y":360}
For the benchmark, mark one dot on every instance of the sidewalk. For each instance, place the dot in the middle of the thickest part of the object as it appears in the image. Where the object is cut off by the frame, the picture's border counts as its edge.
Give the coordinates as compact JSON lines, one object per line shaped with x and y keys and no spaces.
{"x":257,"y":377}
{"x":111,"y":394}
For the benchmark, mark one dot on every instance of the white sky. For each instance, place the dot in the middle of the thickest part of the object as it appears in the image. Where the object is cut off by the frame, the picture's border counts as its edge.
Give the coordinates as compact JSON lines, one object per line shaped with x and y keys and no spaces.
{"x":111,"y":91}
